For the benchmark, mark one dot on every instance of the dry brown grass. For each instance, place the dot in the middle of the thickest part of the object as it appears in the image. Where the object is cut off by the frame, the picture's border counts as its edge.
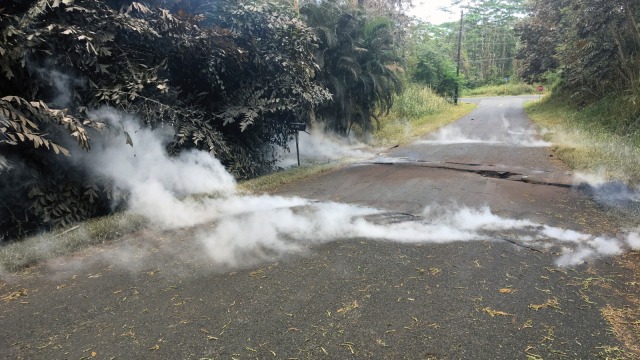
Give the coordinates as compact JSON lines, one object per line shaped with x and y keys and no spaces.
{"x":625,"y":319}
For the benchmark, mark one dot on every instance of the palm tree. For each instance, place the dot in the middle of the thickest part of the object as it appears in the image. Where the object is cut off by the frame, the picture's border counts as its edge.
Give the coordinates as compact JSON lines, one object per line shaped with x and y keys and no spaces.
{"x":358,"y":64}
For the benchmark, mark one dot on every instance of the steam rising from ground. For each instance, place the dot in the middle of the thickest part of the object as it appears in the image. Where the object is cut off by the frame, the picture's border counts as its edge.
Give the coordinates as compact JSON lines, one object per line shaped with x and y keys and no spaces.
{"x":4,"y":164}
{"x":318,"y":146}
{"x":511,"y":137}
{"x":153,"y":179}
{"x":608,"y":192}
{"x":237,"y":231}
{"x":237,"y":239}
{"x":60,"y":82}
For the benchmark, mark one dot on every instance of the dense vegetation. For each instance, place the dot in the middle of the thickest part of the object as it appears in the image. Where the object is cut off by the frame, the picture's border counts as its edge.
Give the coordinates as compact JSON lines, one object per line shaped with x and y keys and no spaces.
{"x":590,"y":49}
{"x":593,"y":45}
{"x":359,"y":63}
{"x":592,"y":139}
{"x":488,"y":47}
{"x":227,"y":76}
{"x":417,"y":111}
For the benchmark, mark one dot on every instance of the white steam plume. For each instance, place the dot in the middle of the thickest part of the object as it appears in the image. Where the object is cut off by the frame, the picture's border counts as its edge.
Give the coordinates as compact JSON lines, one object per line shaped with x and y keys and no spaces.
{"x":592,"y":178}
{"x":455,"y":135}
{"x":5,"y":165}
{"x":633,"y":240}
{"x":318,"y":146}
{"x":238,"y":231}
{"x":256,"y":235}
{"x":606,"y":191}
{"x":153,"y":179}
{"x":62,"y":83}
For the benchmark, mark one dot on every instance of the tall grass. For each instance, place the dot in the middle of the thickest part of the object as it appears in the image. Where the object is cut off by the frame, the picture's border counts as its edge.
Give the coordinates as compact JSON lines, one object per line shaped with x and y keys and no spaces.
{"x":508,"y":89}
{"x":417,"y":101}
{"x":602,"y":138}
{"x":417,"y":111}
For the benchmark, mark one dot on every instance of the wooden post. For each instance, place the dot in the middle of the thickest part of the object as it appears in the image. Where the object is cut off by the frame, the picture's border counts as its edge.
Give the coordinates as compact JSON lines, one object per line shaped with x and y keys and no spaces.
{"x":297,"y":149}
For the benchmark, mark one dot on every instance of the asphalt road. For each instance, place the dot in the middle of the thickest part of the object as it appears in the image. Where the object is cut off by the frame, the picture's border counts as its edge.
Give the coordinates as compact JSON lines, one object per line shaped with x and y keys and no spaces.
{"x":352,"y":298}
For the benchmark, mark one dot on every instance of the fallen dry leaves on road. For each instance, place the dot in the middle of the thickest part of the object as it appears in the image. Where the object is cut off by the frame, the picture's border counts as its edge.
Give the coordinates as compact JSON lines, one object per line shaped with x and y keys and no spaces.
{"x":14,"y":295}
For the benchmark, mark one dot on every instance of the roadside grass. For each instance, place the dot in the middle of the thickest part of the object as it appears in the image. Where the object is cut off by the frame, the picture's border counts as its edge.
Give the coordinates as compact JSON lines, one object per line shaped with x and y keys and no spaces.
{"x":416,"y":112}
{"x":21,"y":254}
{"x":273,"y":181}
{"x":508,"y":89}
{"x":602,"y":139}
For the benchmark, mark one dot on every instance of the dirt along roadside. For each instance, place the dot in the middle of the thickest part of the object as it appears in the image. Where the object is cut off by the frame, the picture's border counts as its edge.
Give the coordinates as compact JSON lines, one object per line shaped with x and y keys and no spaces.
{"x":502,"y":264}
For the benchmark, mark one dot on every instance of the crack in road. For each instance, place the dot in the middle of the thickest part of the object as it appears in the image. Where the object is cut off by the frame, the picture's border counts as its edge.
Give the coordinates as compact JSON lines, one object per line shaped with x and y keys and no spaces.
{"x":496,"y":174}
{"x":389,"y":218}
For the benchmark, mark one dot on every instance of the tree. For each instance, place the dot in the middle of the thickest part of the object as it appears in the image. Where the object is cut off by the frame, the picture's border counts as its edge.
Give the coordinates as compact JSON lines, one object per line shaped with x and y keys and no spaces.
{"x":227,"y":75}
{"x":430,"y":58}
{"x":489,"y":42}
{"x":595,"y":44}
{"x":540,"y":34}
{"x":358,"y":62}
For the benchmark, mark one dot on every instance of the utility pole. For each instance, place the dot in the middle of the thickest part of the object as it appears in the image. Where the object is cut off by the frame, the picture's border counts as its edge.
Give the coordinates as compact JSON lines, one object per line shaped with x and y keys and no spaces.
{"x":457,"y":92}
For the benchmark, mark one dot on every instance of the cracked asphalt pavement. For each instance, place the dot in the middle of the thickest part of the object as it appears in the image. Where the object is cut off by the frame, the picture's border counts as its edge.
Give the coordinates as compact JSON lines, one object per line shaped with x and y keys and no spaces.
{"x":355,"y":298}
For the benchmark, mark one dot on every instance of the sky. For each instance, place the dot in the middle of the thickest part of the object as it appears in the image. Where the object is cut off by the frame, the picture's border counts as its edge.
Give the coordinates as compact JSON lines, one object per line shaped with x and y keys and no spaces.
{"x":429,"y":10}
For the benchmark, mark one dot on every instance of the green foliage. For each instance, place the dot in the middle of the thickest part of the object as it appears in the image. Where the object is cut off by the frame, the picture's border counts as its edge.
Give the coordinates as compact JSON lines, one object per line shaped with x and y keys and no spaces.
{"x":436,"y":70}
{"x":594,"y":44}
{"x":417,"y":101}
{"x":415,"y":112}
{"x":358,"y":63}
{"x":538,"y":52}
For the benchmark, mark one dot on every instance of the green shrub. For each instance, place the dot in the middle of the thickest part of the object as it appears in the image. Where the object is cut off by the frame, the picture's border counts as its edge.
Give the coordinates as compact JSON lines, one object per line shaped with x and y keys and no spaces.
{"x":417,"y":101}
{"x":417,"y":111}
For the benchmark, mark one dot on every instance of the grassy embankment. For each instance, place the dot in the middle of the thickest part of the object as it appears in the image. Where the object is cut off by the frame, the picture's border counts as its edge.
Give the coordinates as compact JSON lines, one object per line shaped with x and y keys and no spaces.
{"x":417,"y":112}
{"x":507,"y":89}
{"x":602,"y":138}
